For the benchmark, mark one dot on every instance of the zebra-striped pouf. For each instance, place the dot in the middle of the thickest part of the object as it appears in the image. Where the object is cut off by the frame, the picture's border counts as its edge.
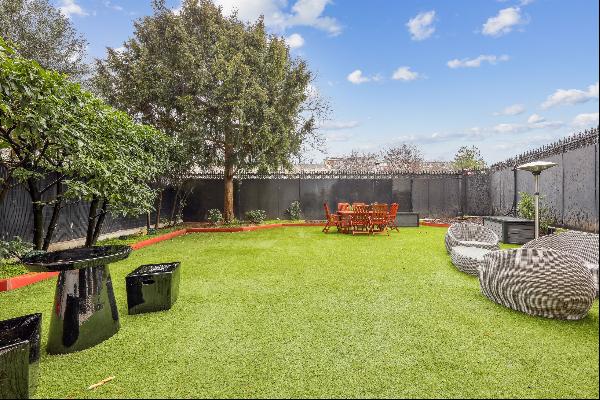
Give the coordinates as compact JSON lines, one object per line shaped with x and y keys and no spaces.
{"x":541,"y":282}
{"x":576,"y":244}
{"x":470,"y":235}
{"x":468,"y":259}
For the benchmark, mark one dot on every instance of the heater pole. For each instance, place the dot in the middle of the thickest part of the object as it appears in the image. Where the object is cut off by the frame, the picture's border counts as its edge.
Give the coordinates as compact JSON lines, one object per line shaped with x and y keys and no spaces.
{"x":537,"y":204}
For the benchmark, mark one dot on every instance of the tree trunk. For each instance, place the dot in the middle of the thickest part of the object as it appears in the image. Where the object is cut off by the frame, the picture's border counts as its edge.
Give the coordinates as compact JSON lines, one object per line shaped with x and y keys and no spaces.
{"x":89,"y":238}
{"x":158,"y":207}
{"x":54,"y":219}
{"x":100,"y":222}
{"x":147,"y":222}
{"x":174,"y":205}
{"x":38,"y":214}
{"x":228,"y":200}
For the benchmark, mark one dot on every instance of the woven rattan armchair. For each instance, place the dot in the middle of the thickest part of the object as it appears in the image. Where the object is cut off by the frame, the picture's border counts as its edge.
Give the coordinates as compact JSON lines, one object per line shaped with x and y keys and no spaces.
{"x":541,"y":282}
{"x":573,"y":243}
{"x":471,"y":235}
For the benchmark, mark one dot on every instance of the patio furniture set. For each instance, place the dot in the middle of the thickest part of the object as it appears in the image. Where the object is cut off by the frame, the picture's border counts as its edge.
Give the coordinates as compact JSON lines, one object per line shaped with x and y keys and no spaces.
{"x":554,"y":276}
{"x":360,"y":218}
{"x":84,"y":311}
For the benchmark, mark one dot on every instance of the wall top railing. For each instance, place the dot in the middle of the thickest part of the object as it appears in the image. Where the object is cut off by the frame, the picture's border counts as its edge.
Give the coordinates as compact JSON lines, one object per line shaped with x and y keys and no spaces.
{"x":335,"y":174}
{"x":573,"y":142}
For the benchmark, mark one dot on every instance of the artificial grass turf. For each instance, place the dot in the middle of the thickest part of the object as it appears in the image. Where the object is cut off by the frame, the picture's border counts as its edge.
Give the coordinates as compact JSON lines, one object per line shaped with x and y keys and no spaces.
{"x":292,"y":312}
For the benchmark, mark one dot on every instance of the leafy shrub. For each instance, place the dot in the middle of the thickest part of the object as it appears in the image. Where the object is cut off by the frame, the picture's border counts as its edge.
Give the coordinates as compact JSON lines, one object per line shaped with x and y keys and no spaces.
{"x":526,"y":209}
{"x":215,"y":216}
{"x":256,"y":216}
{"x":15,"y":248}
{"x":294,"y":211}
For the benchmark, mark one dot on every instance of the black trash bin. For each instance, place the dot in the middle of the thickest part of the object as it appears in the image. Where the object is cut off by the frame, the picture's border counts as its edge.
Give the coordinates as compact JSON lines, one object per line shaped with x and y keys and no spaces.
{"x":19,"y":356}
{"x":152,"y":287}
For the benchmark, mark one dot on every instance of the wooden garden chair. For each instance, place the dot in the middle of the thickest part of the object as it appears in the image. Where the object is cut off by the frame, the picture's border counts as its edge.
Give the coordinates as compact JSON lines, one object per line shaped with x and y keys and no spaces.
{"x":392,"y":217}
{"x":360,"y":220}
{"x":343,"y":206}
{"x":379,"y":219}
{"x":332,"y":219}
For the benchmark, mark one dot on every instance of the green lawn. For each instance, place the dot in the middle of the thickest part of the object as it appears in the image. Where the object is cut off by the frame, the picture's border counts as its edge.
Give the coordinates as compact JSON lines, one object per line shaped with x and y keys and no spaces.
{"x":292,"y":312}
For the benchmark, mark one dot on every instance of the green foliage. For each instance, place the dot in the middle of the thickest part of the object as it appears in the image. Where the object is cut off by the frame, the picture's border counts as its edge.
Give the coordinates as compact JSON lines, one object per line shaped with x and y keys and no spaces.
{"x":294,"y":211}
{"x":41,"y":32}
{"x":526,"y":209}
{"x":214,"y":216}
{"x":230,"y":92}
{"x":60,"y":133}
{"x":468,"y":159}
{"x":256,"y":216}
{"x":16,"y":248}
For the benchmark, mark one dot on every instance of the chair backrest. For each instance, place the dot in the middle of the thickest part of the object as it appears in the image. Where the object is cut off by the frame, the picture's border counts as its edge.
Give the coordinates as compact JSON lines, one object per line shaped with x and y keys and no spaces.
{"x":343,"y":206}
{"x":359,"y":208}
{"x":380,"y":214}
{"x":581,"y":244}
{"x":464,"y":231}
{"x":393,"y":210}
{"x":327,"y":212}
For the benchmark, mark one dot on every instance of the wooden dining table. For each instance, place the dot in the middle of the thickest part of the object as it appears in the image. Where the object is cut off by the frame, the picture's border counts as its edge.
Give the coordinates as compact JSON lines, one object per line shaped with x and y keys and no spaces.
{"x":344,"y":216}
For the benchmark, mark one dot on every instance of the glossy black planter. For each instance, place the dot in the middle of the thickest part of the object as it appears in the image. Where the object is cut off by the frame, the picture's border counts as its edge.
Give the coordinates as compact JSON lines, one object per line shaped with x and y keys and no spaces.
{"x":19,"y":356}
{"x":85,"y":311}
{"x":152,"y":287}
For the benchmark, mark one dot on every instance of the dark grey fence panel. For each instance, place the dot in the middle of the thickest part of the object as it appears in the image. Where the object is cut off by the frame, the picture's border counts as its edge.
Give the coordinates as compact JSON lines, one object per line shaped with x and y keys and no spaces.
{"x":402,"y":193}
{"x":569,"y":190}
{"x":477,"y":194}
{"x":207,"y":194}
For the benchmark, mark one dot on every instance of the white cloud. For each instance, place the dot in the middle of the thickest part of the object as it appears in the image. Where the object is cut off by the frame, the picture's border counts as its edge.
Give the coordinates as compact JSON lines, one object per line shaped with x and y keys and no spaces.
{"x":476,"y":62}
{"x":405,"y":74}
{"x":70,"y":7}
{"x":587,"y":120}
{"x":303,"y":13}
{"x":295,"y":41}
{"x":515,"y":109}
{"x":338,"y":136}
{"x":115,"y":7}
{"x":504,"y":22}
{"x":535,"y":118}
{"x":338,"y":125}
{"x":356,"y":77}
{"x":520,"y":128}
{"x":571,"y":96}
{"x":421,"y":27}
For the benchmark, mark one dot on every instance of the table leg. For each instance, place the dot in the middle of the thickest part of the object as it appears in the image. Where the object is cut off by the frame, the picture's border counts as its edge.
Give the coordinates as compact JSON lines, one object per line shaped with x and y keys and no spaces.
{"x":85,"y":311}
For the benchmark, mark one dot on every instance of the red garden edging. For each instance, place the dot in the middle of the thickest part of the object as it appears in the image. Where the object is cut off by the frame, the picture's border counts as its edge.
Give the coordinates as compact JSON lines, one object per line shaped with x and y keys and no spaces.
{"x":30,"y":278}
{"x":24,"y":280}
{"x":166,"y":236}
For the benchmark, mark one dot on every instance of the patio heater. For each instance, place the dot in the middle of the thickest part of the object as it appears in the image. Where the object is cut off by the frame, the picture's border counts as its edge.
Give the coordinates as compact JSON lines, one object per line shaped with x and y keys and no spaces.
{"x":536,"y":169}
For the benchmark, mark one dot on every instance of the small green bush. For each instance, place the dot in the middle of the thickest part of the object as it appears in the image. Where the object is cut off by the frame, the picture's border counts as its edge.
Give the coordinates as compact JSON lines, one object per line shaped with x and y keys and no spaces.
{"x":295,"y":211}
{"x":214,"y":216}
{"x":526,"y":209}
{"x":15,"y":248}
{"x":256,"y":216}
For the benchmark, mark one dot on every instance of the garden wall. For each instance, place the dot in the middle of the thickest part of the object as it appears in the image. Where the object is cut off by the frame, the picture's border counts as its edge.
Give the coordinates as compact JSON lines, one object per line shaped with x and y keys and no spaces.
{"x":570,"y":189}
{"x":430,"y":195}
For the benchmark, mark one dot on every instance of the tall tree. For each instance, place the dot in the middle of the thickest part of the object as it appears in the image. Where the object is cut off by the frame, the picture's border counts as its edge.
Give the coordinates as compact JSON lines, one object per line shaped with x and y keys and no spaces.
{"x":468,"y":158}
{"x":40,"y":133}
{"x":228,"y":89}
{"x":41,"y":32}
{"x":405,"y":158}
{"x":63,"y":144}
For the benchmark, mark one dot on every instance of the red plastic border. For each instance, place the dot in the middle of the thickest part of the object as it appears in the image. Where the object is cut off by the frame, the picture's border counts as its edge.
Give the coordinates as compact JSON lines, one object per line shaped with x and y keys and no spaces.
{"x":30,"y":278}
{"x":24,"y":280}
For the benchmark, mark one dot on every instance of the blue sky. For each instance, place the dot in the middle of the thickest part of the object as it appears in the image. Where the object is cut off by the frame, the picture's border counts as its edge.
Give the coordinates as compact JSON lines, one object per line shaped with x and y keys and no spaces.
{"x":505,"y":76}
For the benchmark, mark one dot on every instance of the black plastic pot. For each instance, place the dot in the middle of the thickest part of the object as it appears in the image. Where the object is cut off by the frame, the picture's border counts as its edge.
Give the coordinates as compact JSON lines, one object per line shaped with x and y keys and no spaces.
{"x":152,"y":287}
{"x":19,"y":356}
